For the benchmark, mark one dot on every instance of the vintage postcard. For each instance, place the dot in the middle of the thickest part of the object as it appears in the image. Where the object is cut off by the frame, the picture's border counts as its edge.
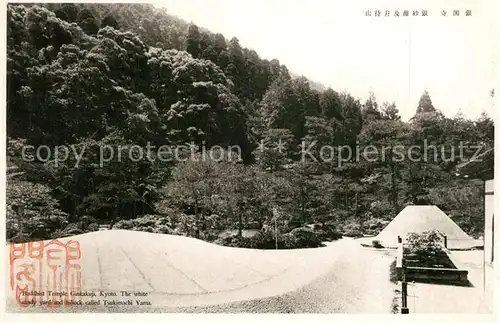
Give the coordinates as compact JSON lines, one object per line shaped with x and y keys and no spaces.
{"x":189,"y":156}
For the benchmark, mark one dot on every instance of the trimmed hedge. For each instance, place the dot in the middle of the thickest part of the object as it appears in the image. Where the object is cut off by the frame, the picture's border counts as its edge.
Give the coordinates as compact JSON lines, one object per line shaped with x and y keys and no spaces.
{"x":353,"y":230}
{"x":328,"y":233}
{"x":147,"y":223}
{"x":84,"y":225}
{"x":297,"y":238}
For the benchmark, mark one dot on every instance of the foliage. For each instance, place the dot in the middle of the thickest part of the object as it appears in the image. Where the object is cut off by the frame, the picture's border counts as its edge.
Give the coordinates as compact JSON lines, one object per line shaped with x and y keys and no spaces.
{"x":262,"y":240}
{"x":304,"y":238}
{"x":147,"y":223}
{"x":426,"y":244}
{"x":32,"y":214}
{"x":96,"y":77}
{"x":328,"y":232}
{"x":376,"y":244}
{"x":374,"y":226}
{"x":84,"y":225}
{"x":352,"y":230}
{"x":297,"y":238}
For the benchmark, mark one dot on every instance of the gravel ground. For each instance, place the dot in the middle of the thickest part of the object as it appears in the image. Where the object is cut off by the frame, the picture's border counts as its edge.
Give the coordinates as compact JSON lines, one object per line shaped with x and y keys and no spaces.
{"x":449,"y":299}
{"x":357,"y":282}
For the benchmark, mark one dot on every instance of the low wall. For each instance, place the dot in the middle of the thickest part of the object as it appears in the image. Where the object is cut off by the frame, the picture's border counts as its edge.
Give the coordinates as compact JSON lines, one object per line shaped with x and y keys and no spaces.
{"x":429,"y":274}
{"x":437,"y":275}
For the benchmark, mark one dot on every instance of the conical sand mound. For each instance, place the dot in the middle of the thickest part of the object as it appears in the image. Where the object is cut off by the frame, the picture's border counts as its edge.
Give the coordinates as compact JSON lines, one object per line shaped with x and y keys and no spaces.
{"x":421,"y":218}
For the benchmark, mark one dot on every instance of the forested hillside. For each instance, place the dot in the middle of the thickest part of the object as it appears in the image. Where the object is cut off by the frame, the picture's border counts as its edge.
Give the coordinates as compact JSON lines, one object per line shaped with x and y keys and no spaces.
{"x":88,"y":76}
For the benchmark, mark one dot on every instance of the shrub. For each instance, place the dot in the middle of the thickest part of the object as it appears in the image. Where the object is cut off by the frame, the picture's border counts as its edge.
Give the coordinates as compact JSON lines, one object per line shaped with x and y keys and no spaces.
{"x":427,"y":249}
{"x":239,"y":242}
{"x":254,"y":225}
{"x":32,"y":212}
{"x":374,"y":226}
{"x":225,"y":241}
{"x":316,"y":227}
{"x":262,"y":240}
{"x":329,"y":233}
{"x":426,"y":244}
{"x":178,"y":232}
{"x":322,"y":235}
{"x":297,"y":238}
{"x":70,"y":230}
{"x":304,"y":238}
{"x":147,"y":223}
{"x":334,"y":235}
{"x":352,"y":230}
{"x":124,"y":225}
{"x":163,"y":221}
{"x":162,"y":229}
{"x":377,"y":244}
{"x":85,"y":224}
{"x":209,"y":235}
{"x":93,"y":227}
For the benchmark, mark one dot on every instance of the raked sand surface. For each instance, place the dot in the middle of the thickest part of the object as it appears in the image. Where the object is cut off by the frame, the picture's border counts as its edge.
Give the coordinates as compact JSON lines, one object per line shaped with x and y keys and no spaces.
{"x":181,"y":274}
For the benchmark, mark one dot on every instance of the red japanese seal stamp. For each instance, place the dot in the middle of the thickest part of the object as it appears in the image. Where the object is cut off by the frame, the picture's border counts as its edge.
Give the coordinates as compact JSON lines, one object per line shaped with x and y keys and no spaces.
{"x":45,"y":273}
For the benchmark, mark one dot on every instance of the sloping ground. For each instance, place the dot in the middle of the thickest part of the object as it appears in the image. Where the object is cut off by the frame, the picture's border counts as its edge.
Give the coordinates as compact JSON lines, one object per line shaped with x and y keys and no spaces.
{"x":420,"y":218}
{"x":187,"y":275}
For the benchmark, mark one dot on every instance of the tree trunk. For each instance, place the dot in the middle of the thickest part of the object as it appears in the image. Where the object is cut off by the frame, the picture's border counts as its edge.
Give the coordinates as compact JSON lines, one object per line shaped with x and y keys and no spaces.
{"x":240,"y":224}
{"x":113,"y":219}
{"x":302,"y":211}
{"x":197,"y":221}
{"x":394,"y":188}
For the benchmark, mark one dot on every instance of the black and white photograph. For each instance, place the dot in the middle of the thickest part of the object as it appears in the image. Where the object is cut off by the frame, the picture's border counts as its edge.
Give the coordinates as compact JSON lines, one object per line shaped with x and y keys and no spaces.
{"x":263,"y":157}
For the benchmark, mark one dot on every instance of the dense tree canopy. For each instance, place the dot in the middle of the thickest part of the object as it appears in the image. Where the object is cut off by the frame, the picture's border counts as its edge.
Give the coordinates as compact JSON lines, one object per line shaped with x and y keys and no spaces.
{"x":96,"y":79}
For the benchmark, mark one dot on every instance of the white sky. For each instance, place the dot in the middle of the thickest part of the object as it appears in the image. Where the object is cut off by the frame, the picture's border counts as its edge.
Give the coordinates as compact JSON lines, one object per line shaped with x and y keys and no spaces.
{"x":332,"y":42}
